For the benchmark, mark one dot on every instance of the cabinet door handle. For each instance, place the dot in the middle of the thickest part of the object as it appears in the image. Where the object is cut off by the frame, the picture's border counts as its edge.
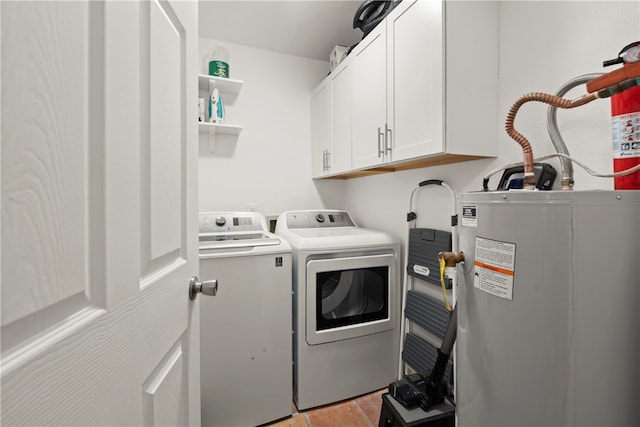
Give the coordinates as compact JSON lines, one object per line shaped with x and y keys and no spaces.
{"x":388,"y":143}
{"x":328,"y":160}
{"x":324,"y":160}
{"x":380,"y":150}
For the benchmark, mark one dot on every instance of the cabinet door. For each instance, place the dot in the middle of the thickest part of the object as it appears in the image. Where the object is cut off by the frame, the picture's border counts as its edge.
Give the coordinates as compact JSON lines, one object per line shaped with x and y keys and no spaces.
{"x":370,"y":99}
{"x":415,"y":68}
{"x":341,"y":129}
{"x":320,"y":127}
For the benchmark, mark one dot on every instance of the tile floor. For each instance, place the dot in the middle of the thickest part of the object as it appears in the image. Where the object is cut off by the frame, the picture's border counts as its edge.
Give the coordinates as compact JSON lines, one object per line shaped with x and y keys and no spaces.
{"x":363,"y":411}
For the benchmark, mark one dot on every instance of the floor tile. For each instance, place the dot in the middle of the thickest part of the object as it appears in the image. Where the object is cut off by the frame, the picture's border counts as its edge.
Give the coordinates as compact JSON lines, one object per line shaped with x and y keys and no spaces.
{"x":342,"y":414}
{"x":371,"y":404}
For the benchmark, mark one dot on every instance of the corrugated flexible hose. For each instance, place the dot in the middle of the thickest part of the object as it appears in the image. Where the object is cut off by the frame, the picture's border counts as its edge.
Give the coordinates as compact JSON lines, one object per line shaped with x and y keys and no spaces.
{"x":529,"y":175}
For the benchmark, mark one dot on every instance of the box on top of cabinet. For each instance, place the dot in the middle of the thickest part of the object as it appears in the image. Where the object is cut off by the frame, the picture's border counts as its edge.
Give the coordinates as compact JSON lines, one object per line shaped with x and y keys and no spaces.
{"x":337,"y":55}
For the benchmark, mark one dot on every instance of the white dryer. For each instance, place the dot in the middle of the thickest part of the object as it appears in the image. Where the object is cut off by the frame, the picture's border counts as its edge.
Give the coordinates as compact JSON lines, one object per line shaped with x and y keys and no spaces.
{"x":245,"y":329}
{"x":346,"y":306}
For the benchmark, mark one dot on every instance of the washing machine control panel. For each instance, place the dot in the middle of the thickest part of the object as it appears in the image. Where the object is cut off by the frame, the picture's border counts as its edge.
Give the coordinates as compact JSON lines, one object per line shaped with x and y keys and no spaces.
{"x":214,"y":222}
{"x":320,"y":219}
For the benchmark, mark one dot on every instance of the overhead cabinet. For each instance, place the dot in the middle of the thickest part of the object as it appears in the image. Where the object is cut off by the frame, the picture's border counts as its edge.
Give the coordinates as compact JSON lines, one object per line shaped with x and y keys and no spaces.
{"x":320,"y":127}
{"x":424,"y":88}
{"x":331,"y":123}
{"x":371,"y":144}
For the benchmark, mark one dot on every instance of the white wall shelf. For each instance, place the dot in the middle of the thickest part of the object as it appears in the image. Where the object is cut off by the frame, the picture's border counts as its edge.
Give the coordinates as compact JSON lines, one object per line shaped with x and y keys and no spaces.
{"x":225,"y":86}
{"x":220,"y":128}
{"x":229,"y":86}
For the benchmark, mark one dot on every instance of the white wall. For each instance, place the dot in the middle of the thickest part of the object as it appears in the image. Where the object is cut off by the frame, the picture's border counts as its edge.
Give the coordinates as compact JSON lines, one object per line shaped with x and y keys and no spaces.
{"x":542,"y":45}
{"x":268,"y":167}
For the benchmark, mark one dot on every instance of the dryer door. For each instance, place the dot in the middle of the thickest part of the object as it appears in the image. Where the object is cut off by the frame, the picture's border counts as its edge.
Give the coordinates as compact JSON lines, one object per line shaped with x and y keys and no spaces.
{"x":350,"y":297}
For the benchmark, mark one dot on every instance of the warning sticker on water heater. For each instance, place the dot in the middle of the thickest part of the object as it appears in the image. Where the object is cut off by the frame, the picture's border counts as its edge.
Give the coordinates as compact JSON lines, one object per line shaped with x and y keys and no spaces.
{"x":470,"y":215}
{"x":493,"y":267}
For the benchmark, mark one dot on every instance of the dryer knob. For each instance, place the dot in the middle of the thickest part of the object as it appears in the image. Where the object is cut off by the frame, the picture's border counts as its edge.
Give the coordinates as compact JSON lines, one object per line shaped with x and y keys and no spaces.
{"x":220,"y":221}
{"x":320,"y":218}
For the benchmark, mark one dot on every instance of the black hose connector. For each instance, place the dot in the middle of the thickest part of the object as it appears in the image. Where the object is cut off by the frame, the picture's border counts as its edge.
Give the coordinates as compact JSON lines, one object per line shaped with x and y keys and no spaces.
{"x":411,"y":216}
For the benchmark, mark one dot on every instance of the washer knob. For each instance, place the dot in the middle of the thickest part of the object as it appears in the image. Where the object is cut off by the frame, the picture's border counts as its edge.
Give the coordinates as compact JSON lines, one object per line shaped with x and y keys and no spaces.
{"x":220,"y":221}
{"x":320,"y":218}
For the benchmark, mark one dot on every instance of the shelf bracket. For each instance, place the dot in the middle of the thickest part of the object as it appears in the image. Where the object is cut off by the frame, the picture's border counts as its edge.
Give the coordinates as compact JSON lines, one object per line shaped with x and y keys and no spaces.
{"x":212,"y":140}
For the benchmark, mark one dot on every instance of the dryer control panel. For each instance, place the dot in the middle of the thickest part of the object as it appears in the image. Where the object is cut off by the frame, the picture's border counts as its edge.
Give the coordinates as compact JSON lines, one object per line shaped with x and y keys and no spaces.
{"x":318,"y":219}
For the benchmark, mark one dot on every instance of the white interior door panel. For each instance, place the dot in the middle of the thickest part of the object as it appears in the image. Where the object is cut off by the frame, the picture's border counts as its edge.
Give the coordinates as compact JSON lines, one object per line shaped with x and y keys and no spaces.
{"x":99,"y":213}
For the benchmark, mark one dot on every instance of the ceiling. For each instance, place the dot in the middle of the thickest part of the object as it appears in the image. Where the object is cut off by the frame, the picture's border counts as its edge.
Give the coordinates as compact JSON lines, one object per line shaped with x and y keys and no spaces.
{"x":307,"y":28}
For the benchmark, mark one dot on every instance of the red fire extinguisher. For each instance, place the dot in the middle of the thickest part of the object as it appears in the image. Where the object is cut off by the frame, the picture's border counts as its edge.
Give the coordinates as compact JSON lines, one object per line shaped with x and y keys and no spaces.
{"x":625,"y":121}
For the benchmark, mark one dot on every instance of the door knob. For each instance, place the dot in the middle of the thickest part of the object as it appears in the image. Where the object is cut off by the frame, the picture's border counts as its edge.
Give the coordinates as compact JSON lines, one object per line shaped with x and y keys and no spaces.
{"x":208,"y":287}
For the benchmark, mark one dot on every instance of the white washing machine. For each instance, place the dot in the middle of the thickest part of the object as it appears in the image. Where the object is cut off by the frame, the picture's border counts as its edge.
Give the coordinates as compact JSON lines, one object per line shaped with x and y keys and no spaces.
{"x":245,"y":329}
{"x":346,"y":306}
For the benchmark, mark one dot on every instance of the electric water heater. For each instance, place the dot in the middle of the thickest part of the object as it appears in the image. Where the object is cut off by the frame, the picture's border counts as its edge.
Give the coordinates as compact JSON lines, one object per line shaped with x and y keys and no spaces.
{"x":549,"y":309}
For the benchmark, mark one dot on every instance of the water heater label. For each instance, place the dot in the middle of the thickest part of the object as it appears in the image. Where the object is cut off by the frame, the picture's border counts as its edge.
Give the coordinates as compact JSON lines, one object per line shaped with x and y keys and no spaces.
{"x":470,"y":215}
{"x":494,"y":263}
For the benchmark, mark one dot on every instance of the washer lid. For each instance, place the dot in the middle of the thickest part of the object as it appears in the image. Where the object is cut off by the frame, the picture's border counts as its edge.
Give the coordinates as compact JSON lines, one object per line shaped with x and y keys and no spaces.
{"x":236,"y":240}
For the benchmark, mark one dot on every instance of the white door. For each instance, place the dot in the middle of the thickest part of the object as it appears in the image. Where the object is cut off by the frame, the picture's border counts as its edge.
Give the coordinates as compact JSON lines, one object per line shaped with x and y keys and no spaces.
{"x":99,"y":213}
